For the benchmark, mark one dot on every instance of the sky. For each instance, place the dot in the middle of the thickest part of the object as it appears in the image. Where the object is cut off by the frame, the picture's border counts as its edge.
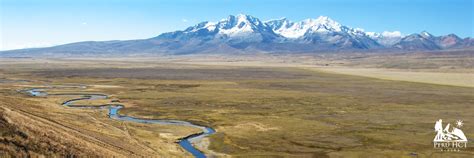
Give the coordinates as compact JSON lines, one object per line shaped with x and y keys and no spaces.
{"x":39,"y":23}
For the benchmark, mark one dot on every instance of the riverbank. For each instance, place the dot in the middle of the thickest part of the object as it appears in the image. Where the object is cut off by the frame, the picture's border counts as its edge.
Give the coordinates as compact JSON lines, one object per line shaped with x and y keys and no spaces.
{"x":113,"y":113}
{"x":257,"y":110}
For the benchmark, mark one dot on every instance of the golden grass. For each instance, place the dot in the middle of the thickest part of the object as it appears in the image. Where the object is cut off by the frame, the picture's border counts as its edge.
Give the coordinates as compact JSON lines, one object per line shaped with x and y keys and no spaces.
{"x":441,"y":78}
{"x":92,"y":127}
{"x":271,"y":111}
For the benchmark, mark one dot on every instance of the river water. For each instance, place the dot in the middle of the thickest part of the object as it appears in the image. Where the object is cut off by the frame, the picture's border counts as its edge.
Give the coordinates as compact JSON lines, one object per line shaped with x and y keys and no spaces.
{"x":185,"y":143}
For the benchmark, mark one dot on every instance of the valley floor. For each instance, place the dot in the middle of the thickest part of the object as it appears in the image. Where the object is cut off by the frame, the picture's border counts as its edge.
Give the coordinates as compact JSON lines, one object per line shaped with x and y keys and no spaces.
{"x":317,"y":108}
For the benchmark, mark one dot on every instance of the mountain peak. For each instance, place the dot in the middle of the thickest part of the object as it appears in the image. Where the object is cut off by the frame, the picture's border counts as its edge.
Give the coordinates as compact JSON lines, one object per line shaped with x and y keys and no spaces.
{"x":325,"y":20}
{"x":245,"y":16}
{"x":289,"y":29}
{"x":240,"y":17}
{"x":239,"y":25}
{"x":426,"y":34}
{"x":322,"y":32}
{"x":322,"y":24}
{"x":276,"y":24}
{"x":275,"y":20}
{"x":244,"y":33}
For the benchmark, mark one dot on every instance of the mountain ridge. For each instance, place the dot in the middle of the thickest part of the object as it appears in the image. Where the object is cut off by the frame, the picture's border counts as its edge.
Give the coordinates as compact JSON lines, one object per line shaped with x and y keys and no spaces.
{"x":247,"y":34}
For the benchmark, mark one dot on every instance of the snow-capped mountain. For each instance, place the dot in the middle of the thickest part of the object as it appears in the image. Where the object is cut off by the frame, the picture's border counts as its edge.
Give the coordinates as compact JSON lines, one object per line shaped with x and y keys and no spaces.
{"x":243,"y":28}
{"x":323,"y":31}
{"x":417,"y":42}
{"x":241,"y":33}
{"x":427,"y":41}
{"x":319,"y":34}
{"x":386,"y":38}
{"x":322,"y":24}
{"x":248,"y":34}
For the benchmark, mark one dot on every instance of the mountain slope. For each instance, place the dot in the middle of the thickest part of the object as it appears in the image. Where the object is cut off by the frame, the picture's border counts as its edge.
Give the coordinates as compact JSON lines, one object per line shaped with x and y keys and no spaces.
{"x":323,"y":32}
{"x":386,"y":38}
{"x":248,"y":34}
{"x":423,"y":41}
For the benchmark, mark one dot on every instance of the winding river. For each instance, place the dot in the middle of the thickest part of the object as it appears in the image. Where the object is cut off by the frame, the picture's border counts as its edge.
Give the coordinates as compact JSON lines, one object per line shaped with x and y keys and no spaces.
{"x":114,"y":114}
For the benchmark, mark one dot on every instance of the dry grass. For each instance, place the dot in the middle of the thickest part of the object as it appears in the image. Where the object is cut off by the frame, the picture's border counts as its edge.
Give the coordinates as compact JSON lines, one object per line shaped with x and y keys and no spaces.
{"x":60,"y":130}
{"x":442,"y":78}
{"x":271,"y":111}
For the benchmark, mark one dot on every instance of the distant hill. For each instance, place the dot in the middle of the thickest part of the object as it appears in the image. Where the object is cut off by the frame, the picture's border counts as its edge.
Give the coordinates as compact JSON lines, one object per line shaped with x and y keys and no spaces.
{"x":247,"y":34}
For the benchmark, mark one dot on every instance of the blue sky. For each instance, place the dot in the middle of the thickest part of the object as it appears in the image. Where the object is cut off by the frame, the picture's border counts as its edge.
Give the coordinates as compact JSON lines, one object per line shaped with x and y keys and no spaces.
{"x":36,"y":23}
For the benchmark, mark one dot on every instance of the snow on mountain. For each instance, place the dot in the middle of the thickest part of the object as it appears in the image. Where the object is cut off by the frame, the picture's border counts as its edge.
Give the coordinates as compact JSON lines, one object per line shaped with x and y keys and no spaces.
{"x":244,"y":28}
{"x":240,"y":25}
{"x":323,"y":31}
{"x":386,"y":38}
{"x":290,"y":29}
{"x":394,"y":34}
{"x":279,"y":26}
{"x":422,"y":41}
{"x":247,"y":34}
{"x":426,"y":35}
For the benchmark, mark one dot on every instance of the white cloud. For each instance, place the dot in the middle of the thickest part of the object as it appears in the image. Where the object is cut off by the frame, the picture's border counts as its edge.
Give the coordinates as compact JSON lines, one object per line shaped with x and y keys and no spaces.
{"x":184,"y":20}
{"x":84,"y":23}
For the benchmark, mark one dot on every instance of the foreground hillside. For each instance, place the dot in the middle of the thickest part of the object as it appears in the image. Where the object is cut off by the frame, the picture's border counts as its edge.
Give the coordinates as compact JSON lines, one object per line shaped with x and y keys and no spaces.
{"x":28,"y":134}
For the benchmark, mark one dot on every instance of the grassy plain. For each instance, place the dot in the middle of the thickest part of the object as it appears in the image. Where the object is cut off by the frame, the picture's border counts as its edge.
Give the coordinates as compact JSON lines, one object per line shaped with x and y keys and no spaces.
{"x":462,"y":79}
{"x":257,"y":110}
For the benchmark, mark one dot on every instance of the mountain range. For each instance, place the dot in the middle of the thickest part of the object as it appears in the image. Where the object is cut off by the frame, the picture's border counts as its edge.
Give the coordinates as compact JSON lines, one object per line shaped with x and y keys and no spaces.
{"x":247,"y":34}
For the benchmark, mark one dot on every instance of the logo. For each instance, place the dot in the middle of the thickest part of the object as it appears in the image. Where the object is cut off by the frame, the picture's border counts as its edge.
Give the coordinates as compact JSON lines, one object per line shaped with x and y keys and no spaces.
{"x":448,"y":139}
